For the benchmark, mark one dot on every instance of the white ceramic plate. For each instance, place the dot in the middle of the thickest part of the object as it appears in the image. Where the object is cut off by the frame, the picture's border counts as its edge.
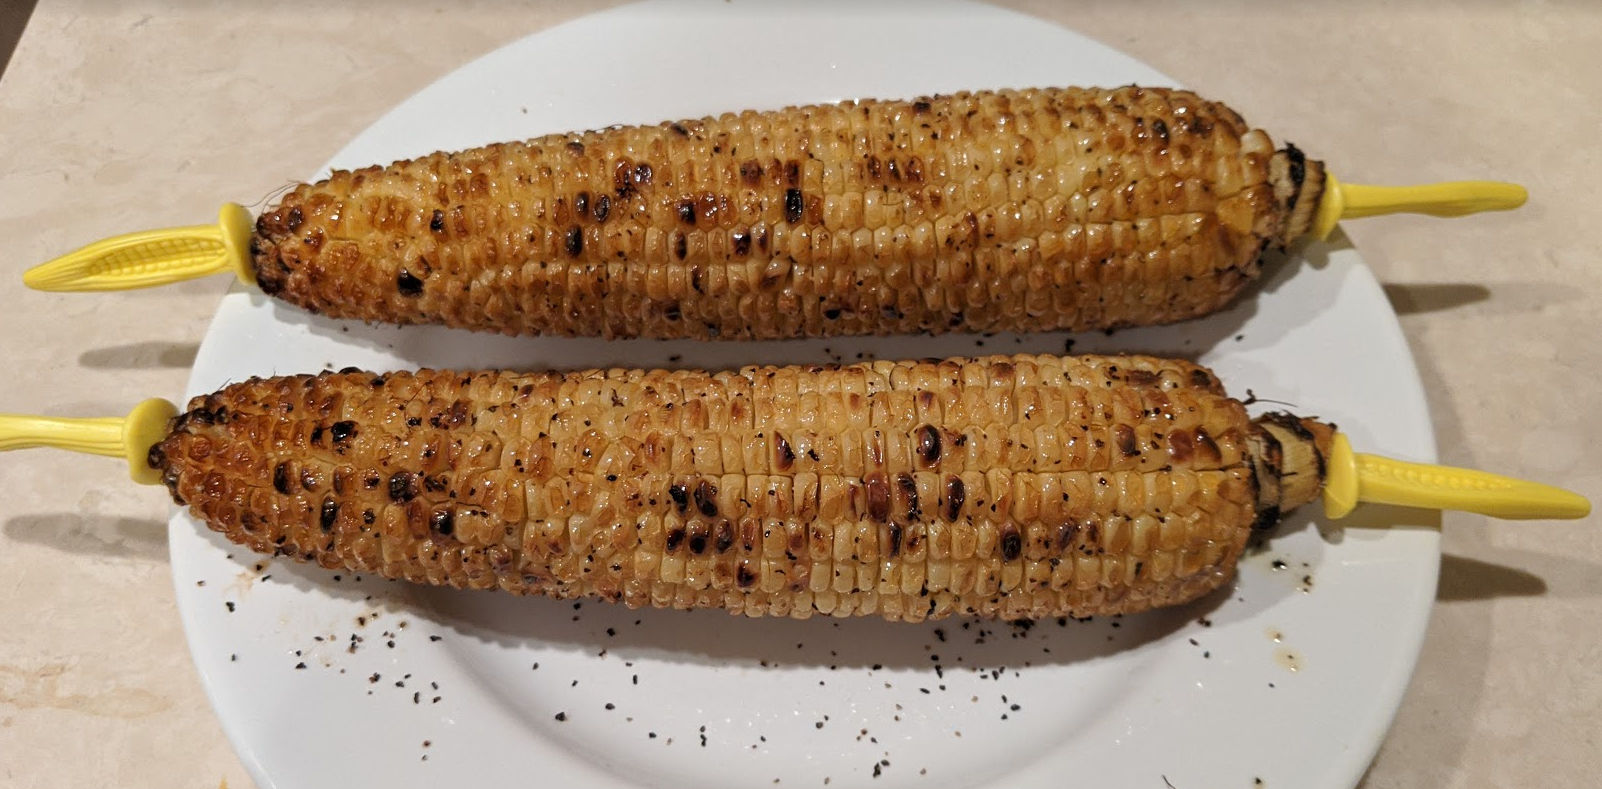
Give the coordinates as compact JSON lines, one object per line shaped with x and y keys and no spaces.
{"x":1290,"y":677}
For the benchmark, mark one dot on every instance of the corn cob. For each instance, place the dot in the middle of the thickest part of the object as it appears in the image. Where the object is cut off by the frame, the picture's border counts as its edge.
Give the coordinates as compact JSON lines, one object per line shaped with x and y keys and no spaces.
{"x":1011,"y":210}
{"x":1013,"y":487}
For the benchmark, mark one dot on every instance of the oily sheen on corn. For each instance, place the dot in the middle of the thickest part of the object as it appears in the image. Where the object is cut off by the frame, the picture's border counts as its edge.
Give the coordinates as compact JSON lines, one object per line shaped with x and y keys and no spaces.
{"x":1025,"y":486}
{"x":1015,"y":210}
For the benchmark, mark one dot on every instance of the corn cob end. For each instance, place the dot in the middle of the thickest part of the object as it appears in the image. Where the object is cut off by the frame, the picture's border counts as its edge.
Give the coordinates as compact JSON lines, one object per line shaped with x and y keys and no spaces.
{"x":1299,"y":189}
{"x":1289,"y":457}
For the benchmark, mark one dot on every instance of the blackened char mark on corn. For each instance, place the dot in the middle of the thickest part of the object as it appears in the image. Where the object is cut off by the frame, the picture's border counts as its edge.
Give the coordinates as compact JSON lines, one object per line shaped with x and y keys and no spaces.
{"x":877,"y":496}
{"x":408,"y":284}
{"x":1011,"y":542}
{"x":706,"y":498}
{"x":956,"y":494}
{"x":928,"y":437}
{"x":783,"y":454}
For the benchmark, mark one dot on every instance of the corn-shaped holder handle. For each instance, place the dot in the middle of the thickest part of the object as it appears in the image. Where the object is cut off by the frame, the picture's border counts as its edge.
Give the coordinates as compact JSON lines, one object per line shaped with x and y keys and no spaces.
{"x":1353,"y":477}
{"x":153,"y":257}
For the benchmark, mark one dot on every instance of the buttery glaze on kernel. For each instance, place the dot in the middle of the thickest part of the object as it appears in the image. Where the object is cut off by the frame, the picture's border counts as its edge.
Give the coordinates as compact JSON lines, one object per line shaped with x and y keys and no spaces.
{"x":1016,"y":487}
{"x":1021,"y":210}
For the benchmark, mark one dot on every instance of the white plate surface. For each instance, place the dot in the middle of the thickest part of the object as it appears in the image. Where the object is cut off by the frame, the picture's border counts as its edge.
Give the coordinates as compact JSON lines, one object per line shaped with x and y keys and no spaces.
{"x":1203,"y":696}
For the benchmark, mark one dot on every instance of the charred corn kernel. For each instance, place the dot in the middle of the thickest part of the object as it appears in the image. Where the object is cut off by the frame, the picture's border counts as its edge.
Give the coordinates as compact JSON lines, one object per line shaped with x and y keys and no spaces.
{"x":1138,"y":487}
{"x":1017,"y":210}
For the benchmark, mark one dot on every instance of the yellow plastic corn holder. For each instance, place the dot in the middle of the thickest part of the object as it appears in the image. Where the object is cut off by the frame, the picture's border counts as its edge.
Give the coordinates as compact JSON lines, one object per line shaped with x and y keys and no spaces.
{"x":1353,"y":477}
{"x":1451,"y":198}
{"x":1350,"y":477}
{"x":128,"y":437}
{"x":160,"y":257}
{"x":153,"y":257}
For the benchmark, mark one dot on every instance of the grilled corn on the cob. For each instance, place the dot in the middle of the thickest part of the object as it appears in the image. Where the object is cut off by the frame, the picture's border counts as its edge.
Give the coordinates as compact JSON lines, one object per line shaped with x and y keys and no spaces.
{"x":1024,"y":486}
{"x":1011,"y":210}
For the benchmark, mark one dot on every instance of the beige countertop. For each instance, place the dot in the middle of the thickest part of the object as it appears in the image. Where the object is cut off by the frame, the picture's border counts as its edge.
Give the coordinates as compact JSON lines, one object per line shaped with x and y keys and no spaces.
{"x":144,"y":115}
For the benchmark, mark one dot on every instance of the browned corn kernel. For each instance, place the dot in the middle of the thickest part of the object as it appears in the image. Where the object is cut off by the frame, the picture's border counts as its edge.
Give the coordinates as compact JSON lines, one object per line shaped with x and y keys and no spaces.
{"x":1012,"y":210}
{"x":1023,"y":486}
